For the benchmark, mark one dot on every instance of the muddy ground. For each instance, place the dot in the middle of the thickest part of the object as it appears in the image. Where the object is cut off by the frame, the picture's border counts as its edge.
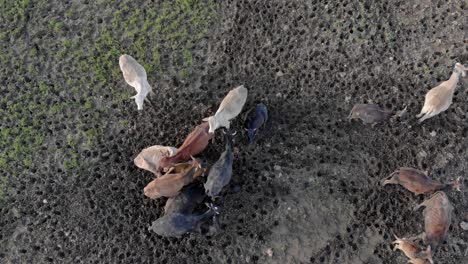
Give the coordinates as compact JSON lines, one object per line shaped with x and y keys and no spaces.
{"x":306,"y":192}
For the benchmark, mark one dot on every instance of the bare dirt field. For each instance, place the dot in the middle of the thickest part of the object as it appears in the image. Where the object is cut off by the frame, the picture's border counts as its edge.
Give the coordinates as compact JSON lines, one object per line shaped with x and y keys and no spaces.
{"x":307,"y":191}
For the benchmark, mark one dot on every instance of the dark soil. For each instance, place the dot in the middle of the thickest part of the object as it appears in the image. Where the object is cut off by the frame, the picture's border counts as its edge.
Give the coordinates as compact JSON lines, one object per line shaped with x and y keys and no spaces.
{"x":306,"y":192}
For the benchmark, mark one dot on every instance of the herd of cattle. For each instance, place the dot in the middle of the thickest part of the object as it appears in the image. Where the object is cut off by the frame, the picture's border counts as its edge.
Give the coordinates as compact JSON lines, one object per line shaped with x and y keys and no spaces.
{"x":178,"y":173}
{"x":183,"y":174}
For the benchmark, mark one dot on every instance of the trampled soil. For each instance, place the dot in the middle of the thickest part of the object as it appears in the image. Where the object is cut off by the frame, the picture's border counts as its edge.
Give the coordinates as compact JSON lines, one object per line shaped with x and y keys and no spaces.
{"x":306,"y":192}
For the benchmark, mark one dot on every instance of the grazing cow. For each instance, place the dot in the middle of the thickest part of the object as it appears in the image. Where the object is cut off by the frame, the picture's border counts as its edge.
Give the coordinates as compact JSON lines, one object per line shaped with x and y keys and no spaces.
{"x":255,"y":119}
{"x":229,"y":108}
{"x":177,"y":224}
{"x":413,"y":251}
{"x":149,"y":158}
{"x":135,"y":75}
{"x":437,"y":219}
{"x":195,"y":143}
{"x":439,"y":98}
{"x":418,"y":182}
{"x":221,"y":172}
{"x":174,"y":180}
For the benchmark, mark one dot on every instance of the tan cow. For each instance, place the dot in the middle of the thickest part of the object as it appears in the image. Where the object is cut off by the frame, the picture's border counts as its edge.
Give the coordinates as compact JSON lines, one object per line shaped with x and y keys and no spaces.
{"x":229,"y":108}
{"x":412,"y":250}
{"x":439,"y":98}
{"x":149,"y":158}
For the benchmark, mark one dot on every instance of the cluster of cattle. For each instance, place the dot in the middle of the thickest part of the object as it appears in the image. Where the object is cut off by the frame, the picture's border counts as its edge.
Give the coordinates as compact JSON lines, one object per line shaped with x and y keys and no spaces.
{"x":437,"y":214}
{"x":438,"y":210}
{"x":182,"y":171}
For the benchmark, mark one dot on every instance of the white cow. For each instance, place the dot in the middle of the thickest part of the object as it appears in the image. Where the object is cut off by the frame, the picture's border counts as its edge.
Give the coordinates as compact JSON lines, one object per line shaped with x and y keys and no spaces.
{"x":135,"y":75}
{"x":229,"y":108}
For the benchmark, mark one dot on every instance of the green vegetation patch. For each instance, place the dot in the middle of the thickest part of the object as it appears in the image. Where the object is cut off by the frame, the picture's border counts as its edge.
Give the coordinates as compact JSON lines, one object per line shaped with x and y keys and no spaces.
{"x":63,"y":75}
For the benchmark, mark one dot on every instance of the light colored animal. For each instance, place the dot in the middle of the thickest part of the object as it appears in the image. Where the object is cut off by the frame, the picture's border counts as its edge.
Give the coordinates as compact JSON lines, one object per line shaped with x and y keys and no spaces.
{"x":415,"y":254}
{"x":229,"y":108}
{"x":135,"y":75}
{"x":439,"y":98}
{"x":149,"y":158}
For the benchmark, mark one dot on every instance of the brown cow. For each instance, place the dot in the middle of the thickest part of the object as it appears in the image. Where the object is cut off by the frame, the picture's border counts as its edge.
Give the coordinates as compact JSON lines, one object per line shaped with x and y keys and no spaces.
{"x":412,"y":250}
{"x":174,"y":180}
{"x":437,"y":219}
{"x":418,"y":182}
{"x":195,"y":143}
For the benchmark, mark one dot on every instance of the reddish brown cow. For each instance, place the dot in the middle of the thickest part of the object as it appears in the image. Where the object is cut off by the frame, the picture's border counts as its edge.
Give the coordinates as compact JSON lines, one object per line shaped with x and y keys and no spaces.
{"x":437,"y":219}
{"x":172,"y":182}
{"x":417,"y":181}
{"x":195,"y":143}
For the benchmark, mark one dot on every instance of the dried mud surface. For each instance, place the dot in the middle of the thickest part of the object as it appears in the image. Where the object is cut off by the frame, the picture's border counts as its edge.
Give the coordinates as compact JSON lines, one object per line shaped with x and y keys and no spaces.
{"x":306,"y":192}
